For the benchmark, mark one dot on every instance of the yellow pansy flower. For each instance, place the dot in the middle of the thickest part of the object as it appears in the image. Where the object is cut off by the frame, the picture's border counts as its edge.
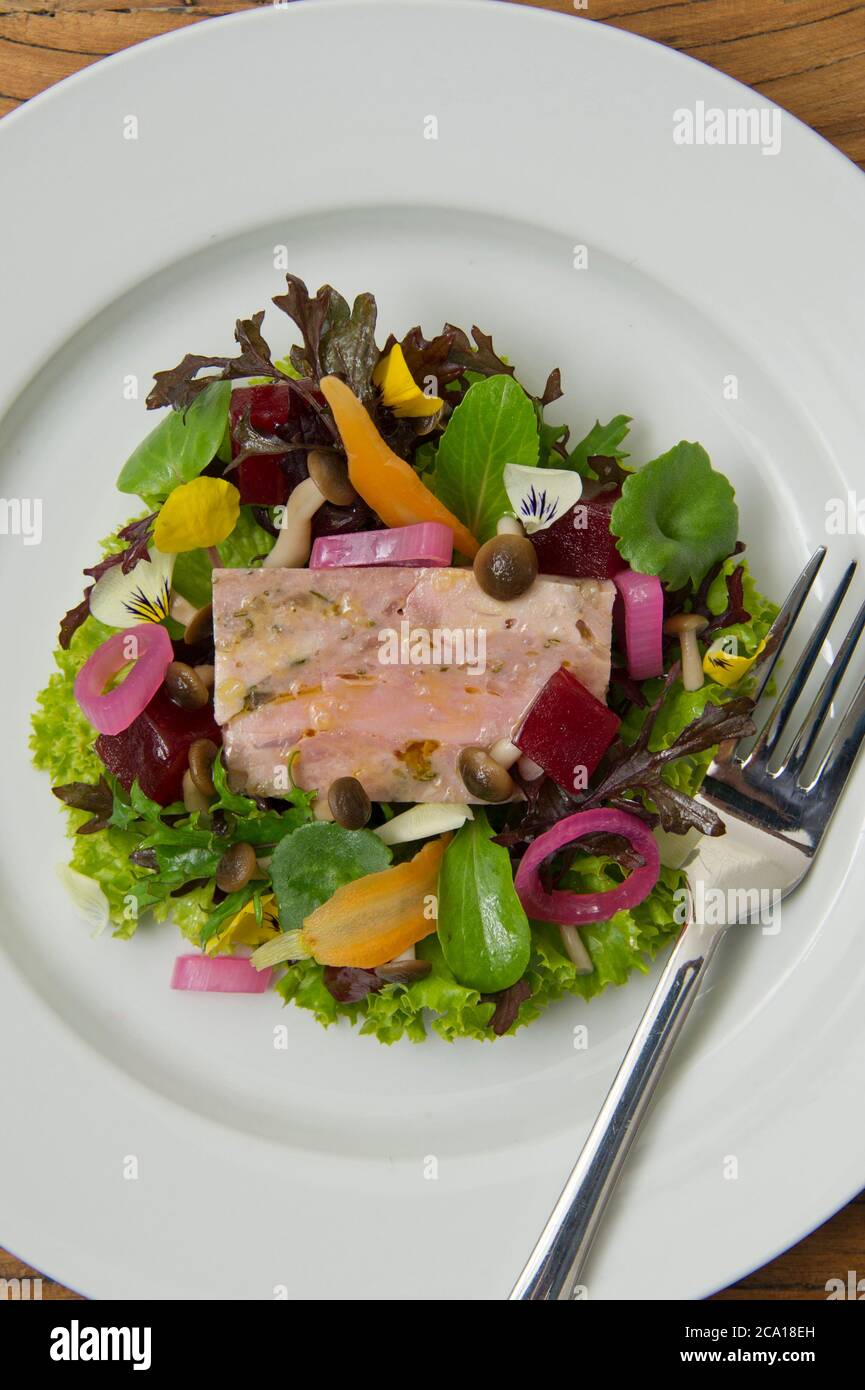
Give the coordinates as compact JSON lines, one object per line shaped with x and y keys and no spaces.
{"x":196,"y":515}
{"x":399,"y":390}
{"x":244,"y":930}
{"x":724,"y":667}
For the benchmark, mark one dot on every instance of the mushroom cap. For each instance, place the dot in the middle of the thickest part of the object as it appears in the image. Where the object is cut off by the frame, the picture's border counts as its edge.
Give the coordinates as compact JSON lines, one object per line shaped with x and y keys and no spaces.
{"x":685,"y":622}
{"x":330,"y":472}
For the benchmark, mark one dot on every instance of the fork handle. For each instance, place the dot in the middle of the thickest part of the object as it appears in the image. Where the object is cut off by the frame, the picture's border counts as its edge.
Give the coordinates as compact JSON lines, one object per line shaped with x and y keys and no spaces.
{"x":556,"y":1263}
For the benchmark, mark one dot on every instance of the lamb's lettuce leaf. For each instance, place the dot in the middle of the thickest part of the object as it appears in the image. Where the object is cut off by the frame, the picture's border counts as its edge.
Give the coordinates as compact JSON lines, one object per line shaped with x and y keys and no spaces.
{"x":494,"y":424}
{"x":482,"y":926}
{"x":180,"y":447}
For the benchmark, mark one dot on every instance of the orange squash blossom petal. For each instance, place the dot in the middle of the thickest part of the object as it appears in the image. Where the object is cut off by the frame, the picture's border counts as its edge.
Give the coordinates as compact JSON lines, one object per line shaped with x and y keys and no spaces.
{"x":377,"y":917}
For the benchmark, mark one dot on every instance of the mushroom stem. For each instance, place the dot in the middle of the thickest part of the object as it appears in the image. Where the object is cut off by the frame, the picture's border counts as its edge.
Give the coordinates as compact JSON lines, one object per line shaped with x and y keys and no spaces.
{"x":529,"y":770}
{"x":181,"y":609}
{"x":509,"y":526}
{"x":193,"y":799}
{"x":692,"y":663}
{"x":294,"y":541}
{"x":505,"y":752}
{"x":686,"y":626}
{"x":575,"y":950}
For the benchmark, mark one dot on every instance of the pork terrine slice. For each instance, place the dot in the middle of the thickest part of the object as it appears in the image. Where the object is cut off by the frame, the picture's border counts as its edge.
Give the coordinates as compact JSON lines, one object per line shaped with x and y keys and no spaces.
{"x":385,"y":674}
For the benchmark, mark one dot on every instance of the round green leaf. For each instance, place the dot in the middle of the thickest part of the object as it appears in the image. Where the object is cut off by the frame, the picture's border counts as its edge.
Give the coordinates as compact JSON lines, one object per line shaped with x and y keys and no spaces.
{"x":676,"y":517}
{"x":310,"y":864}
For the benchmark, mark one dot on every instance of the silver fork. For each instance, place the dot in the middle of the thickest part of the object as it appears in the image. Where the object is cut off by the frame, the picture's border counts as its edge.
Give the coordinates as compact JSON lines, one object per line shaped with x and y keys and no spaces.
{"x":775,"y":822}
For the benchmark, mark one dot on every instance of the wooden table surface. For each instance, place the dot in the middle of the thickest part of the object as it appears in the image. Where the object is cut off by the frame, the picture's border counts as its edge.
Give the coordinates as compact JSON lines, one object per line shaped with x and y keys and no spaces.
{"x":807,"y":55}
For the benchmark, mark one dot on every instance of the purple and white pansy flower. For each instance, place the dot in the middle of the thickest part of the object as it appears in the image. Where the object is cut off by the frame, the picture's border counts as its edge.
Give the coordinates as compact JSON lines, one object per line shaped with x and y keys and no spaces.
{"x":539,"y":496}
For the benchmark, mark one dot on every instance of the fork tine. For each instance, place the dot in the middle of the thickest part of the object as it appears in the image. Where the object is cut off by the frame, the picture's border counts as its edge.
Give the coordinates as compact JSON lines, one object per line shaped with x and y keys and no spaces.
{"x":813,"y":722}
{"x":778,"y":633}
{"x":775,"y":725}
{"x":841,"y":753}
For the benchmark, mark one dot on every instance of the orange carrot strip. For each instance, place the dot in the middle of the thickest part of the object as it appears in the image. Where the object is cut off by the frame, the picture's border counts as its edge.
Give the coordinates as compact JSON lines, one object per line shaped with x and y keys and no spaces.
{"x":385,"y":481}
{"x":377,"y":917}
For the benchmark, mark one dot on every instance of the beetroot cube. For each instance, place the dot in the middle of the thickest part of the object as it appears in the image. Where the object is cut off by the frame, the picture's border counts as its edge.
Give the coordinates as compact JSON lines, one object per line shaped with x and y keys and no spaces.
{"x":580,"y":544}
{"x":155,"y":747}
{"x":567,"y":731}
{"x":267,"y":407}
{"x":260,"y":478}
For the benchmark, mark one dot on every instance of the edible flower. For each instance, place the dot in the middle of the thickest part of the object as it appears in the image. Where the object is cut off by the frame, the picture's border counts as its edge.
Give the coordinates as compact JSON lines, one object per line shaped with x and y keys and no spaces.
{"x":368,"y":921}
{"x":400,"y":392}
{"x":196,"y":515}
{"x":539,"y":496}
{"x":727,"y":667}
{"x":244,"y":929}
{"x":141,"y":596}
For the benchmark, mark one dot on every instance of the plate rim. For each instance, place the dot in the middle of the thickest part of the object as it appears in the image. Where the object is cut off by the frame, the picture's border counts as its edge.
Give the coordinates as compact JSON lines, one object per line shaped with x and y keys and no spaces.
{"x":142,"y":53}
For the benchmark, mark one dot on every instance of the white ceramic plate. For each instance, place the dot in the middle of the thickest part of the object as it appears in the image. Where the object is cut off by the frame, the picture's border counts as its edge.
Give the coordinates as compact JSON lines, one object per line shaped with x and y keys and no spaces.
{"x":309,"y":1169}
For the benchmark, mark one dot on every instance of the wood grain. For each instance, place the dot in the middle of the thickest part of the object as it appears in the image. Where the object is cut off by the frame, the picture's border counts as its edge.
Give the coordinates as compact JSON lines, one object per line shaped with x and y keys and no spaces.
{"x":808,"y":55}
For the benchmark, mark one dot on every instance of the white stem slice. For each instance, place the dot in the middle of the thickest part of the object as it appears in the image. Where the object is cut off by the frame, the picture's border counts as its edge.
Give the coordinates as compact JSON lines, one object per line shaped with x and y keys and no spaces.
{"x":573,"y":944}
{"x":286,"y":946}
{"x":422,"y":821}
{"x":87,"y":897}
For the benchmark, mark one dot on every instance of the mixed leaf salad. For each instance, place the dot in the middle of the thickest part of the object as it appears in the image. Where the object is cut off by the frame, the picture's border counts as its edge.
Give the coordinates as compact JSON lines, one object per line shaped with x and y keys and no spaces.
{"x":556,"y":872}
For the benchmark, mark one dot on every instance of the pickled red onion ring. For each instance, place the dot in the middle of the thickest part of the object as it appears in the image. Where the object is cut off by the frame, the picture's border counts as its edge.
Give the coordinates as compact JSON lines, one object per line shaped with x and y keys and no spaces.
{"x":576,"y":909}
{"x":114,"y":712}
{"x":219,"y":974}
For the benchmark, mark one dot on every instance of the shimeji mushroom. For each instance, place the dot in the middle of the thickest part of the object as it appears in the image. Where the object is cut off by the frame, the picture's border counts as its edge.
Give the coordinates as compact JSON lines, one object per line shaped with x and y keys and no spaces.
{"x":330,"y":472}
{"x":576,"y":950}
{"x":483,"y":776}
{"x":294,"y":541}
{"x":506,"y":566}
{"x":686,"y":626}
